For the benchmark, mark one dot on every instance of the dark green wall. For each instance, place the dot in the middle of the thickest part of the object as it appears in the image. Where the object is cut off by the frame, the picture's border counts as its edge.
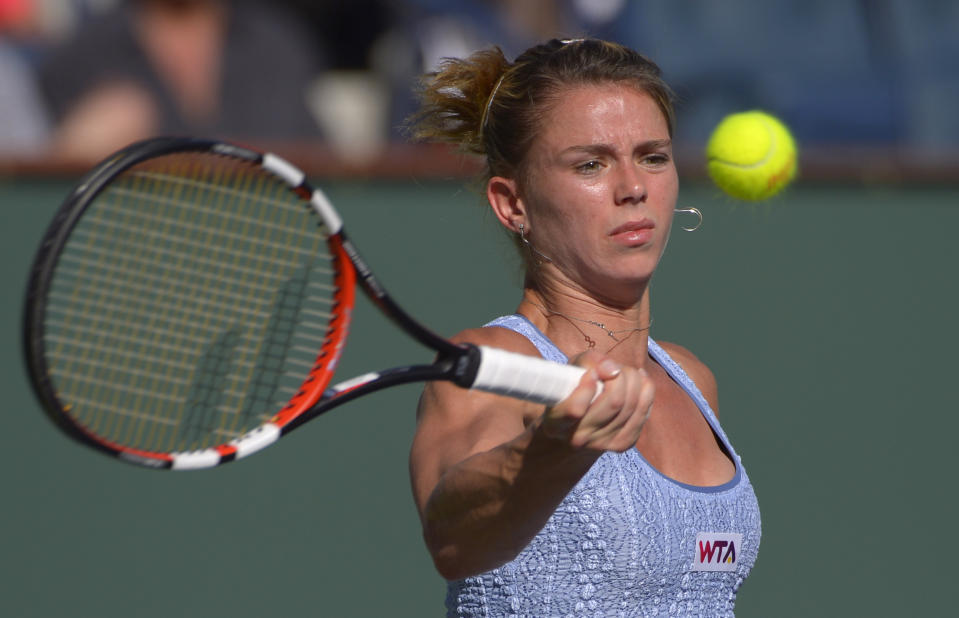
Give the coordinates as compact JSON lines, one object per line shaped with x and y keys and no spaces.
{"x":828,"y":316}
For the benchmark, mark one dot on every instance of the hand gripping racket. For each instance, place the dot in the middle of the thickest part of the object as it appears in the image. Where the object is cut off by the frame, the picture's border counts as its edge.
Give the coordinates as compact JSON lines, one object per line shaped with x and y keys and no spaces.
{"x":191,"y":298}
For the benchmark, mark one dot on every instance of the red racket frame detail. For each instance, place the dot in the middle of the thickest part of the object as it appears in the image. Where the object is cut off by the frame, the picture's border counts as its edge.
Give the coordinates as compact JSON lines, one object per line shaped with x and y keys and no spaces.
{"x":328,"y":358}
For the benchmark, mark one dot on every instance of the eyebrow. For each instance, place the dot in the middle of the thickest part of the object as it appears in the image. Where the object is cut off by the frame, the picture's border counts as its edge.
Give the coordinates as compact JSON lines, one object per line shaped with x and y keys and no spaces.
{"x":647,"y":146}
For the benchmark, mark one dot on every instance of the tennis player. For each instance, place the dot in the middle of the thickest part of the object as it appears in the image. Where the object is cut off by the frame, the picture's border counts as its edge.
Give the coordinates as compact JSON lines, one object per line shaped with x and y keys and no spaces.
{"x":631,"y":502}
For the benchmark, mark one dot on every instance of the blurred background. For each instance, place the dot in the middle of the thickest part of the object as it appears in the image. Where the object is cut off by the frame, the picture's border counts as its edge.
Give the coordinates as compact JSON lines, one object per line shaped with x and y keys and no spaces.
{"x":827,"y":314}
{"x":868,"y":84}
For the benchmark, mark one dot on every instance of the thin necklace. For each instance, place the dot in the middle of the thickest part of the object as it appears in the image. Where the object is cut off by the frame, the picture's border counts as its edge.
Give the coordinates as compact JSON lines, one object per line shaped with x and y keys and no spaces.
{"x":612,"y":333}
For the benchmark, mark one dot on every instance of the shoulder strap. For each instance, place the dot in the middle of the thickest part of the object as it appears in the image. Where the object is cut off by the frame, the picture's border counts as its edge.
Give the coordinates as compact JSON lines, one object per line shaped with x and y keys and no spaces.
{"x":521,"y":325}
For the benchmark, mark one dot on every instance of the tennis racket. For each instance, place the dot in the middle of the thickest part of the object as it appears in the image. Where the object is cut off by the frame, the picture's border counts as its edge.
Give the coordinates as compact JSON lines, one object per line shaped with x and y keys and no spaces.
{"x":191,"y":298}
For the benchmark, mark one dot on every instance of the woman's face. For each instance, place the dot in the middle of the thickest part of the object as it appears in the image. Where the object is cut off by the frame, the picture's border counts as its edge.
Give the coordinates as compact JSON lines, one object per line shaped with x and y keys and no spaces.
{"x":600,"y":188}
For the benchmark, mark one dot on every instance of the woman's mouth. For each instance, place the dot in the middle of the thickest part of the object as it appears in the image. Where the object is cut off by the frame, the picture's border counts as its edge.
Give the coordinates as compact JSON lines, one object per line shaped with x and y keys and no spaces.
{"x":633,"y":233}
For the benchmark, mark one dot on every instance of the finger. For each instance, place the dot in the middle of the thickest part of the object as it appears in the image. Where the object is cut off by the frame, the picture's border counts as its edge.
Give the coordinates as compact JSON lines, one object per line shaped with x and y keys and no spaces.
{"x":602,"y":416}
{"x":608,"y":369}
{"x":628,"y":434}
{"x":618,"y":416}
{"x":561,"y":420}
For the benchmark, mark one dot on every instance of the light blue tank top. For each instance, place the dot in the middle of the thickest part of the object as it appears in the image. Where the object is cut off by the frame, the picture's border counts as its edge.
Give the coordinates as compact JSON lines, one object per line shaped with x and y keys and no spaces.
{"x":627,"y":540}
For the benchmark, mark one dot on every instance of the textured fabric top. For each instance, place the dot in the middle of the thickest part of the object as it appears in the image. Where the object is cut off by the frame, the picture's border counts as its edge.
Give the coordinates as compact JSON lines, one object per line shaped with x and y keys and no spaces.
{"x":627,"y":540}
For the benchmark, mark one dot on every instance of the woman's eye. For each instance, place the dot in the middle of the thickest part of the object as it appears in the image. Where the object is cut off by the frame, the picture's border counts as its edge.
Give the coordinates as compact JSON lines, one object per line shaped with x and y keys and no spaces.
{"x":589,"y":166}
{"x":657,"y":159}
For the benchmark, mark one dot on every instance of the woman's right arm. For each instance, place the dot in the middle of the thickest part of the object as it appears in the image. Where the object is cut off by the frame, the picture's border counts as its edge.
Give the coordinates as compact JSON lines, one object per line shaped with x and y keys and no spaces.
{"x":488,"y":471}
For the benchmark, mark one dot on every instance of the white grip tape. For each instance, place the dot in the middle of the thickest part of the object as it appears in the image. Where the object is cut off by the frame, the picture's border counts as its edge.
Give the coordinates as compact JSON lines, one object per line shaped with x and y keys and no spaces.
{"x":526,"y":377}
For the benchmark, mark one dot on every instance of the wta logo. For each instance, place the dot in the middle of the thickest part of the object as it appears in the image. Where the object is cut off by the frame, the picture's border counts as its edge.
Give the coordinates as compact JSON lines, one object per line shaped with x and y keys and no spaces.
{"x":716,"y":551}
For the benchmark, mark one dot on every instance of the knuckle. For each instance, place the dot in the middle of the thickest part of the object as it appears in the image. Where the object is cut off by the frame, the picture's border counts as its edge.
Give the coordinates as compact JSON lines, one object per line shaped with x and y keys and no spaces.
{"x":616,"y":400}
{"x":562,"y":418}
{"x":623,"y":443}
{"x":647,"y":390}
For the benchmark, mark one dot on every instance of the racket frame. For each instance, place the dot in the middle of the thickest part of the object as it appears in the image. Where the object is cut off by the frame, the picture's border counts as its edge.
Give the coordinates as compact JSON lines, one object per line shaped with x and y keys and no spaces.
{"x":468,"y":366}
{"x":457,"y":363}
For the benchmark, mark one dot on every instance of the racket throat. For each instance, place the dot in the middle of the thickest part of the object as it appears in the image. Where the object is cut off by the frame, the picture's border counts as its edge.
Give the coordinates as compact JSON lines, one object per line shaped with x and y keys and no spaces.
{"x":464,"y":365}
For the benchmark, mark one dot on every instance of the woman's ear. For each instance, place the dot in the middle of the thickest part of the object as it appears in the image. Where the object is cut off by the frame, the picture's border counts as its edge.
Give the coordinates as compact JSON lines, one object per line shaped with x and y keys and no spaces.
{"x":504,"y":198}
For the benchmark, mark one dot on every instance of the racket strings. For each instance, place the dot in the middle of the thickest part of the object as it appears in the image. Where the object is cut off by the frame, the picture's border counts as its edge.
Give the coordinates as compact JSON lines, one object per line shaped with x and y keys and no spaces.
{"x":188,"y":304}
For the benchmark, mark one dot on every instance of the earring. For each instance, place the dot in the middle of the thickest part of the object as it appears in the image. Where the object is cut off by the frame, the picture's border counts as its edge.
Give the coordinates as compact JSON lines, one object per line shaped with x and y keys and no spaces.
{"x":692,"y":211}
{"x":522,"y":235}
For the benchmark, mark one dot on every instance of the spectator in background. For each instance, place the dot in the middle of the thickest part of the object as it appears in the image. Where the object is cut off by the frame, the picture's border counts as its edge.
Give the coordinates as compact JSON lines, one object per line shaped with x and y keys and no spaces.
{"x":23,"y":125}
{"x":424,"y":32}
{"x":233,"y":70}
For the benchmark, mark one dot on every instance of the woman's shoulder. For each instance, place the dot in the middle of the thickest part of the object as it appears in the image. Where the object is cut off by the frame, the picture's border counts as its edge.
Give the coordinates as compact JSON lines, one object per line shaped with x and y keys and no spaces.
{"x":497,"y":337}
{"x":696,"y":369}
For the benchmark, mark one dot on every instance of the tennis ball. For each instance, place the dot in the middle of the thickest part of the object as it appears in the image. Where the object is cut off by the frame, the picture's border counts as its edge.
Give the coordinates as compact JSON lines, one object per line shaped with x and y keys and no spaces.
{"x":751,"y":155}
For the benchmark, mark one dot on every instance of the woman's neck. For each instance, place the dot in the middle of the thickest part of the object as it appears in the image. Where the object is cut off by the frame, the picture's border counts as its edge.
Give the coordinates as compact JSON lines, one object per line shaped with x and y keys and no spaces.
{"x":576,"y":322}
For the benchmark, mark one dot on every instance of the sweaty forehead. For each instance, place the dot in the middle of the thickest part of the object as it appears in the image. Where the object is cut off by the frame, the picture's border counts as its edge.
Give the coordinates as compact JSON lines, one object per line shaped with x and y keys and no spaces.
{"x":597,"y":114}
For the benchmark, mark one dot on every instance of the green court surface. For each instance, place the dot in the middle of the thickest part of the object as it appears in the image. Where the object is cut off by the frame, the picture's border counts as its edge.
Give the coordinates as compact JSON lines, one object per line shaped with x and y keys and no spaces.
{"x":828,"y":316}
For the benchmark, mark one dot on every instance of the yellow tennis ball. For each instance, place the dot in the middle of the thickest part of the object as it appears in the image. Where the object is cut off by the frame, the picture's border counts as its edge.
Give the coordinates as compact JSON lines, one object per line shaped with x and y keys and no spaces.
{"x":751,"y":155}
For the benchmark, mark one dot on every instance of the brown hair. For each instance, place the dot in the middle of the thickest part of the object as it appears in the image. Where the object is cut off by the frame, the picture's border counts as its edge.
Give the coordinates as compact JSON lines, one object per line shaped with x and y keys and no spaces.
{"x":488,"y":106}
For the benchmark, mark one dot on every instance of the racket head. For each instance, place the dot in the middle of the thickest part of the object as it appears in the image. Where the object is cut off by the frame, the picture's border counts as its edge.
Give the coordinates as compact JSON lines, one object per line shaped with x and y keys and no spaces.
{"x":187,"y":302}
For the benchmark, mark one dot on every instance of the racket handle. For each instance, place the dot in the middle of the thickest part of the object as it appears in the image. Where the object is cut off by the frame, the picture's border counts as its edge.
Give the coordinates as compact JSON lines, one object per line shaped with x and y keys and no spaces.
{"x":526,"y":377}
